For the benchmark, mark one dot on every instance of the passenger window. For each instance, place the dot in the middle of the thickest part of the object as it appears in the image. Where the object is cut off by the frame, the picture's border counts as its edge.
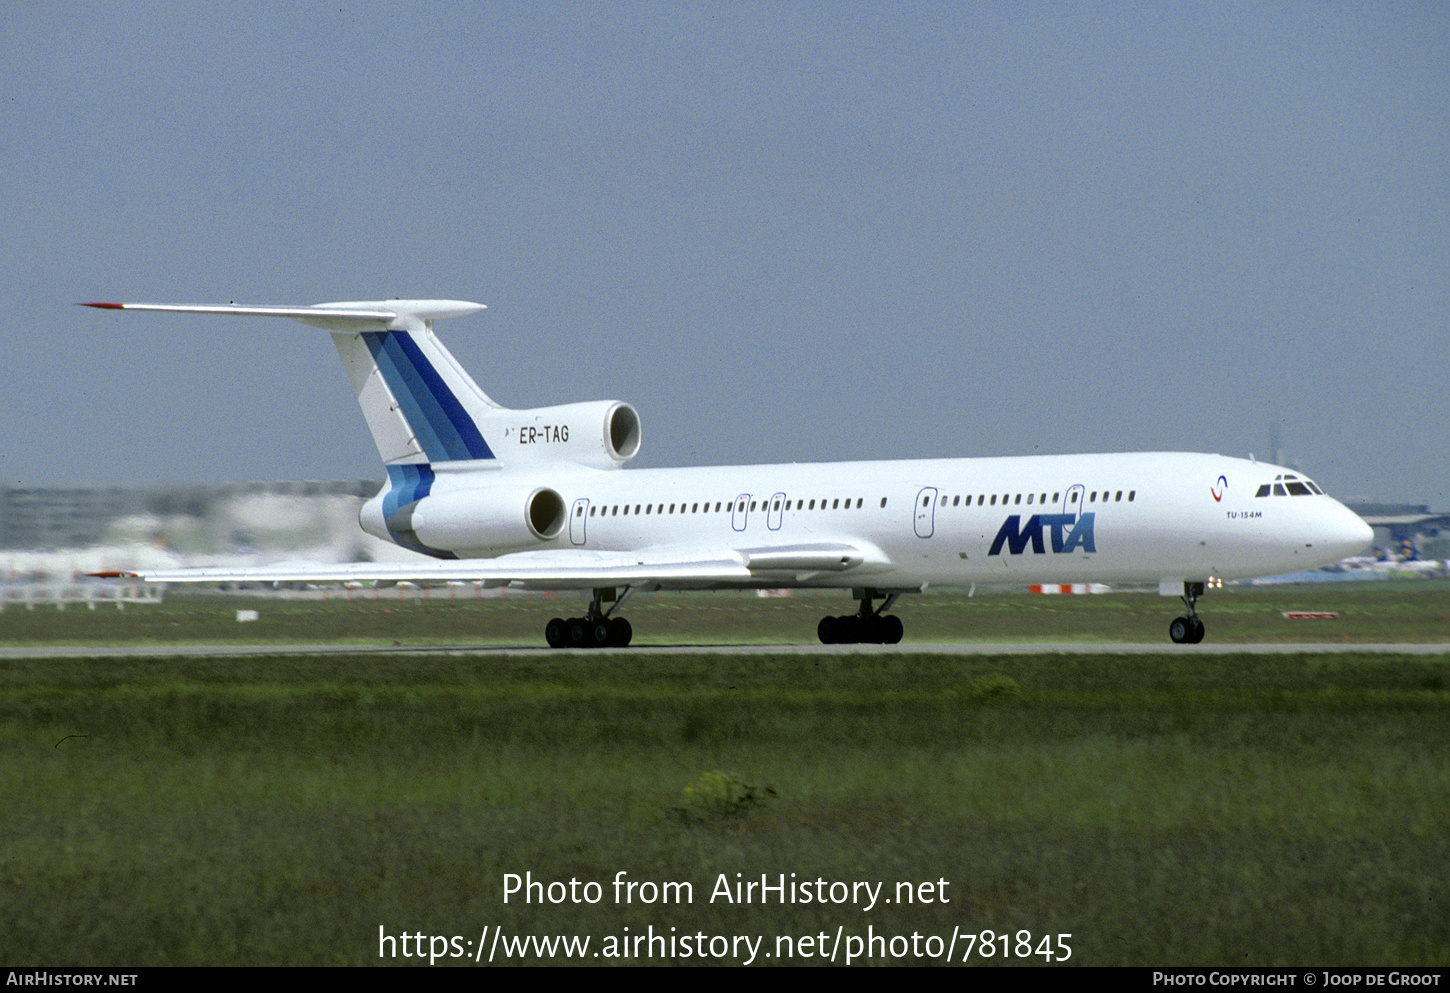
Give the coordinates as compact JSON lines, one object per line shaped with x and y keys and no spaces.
{"x":883,"y":503}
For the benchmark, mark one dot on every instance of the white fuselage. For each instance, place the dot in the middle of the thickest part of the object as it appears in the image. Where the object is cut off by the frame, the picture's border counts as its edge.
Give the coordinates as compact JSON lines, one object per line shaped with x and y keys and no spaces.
{"x":1142,"y":517}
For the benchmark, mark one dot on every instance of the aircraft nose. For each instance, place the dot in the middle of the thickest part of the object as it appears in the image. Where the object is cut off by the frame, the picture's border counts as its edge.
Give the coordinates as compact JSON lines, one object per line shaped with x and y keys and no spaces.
{"x":1346,"y":533}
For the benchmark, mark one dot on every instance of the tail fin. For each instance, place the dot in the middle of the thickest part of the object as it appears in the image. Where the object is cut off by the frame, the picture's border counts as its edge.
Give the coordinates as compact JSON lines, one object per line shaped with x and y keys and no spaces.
{"x":420,"y":404}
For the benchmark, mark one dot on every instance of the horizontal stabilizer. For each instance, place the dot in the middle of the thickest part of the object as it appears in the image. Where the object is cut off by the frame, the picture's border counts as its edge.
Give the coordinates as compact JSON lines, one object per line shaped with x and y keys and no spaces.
{"x":383,"y":315}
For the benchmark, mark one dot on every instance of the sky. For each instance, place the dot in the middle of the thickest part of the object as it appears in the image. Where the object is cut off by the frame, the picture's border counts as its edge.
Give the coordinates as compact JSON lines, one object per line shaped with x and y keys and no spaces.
{"x":785,"y":232}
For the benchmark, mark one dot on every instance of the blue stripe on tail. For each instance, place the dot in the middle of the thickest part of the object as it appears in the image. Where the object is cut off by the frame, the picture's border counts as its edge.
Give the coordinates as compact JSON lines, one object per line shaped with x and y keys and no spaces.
{"x":444,"y":429}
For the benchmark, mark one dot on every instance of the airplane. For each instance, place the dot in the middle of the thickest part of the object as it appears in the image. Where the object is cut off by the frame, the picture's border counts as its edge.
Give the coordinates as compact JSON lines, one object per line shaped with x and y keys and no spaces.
{"x":536,"y":499}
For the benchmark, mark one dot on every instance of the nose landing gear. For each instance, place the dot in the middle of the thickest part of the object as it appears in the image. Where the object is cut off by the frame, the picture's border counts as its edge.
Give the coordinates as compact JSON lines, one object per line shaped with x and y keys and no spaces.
{"x":1188,"y":630}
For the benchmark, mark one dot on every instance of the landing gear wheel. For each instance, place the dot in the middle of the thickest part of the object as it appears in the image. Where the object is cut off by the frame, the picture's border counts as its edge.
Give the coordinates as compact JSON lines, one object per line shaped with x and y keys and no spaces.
{"x":1186,"y":630}
{"x":870,"y":628}
{"x":578,"y":632}
{"x":620,"y":631}
{"x":891,"y":630}
{"x":826,"y":631}
{"x":869,"y":625}
{"x":596,"y":629}
{"x":1181,"y":631}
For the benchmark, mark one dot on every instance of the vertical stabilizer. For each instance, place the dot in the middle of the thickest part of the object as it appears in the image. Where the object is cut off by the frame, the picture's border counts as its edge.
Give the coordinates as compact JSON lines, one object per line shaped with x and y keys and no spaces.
{"x":419,"y":404}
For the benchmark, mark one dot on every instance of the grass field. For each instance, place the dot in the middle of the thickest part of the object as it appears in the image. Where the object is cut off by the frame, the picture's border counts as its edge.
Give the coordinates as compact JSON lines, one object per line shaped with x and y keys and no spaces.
{"x":1368,"y":612}
{"x":1160,"y":809}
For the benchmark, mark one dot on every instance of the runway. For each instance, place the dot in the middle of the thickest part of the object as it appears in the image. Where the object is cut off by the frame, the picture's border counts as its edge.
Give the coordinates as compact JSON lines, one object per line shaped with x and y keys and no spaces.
{"x":962,"y":649}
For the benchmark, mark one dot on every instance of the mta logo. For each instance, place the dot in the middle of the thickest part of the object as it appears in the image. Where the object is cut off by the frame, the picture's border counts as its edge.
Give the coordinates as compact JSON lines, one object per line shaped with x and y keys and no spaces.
{"x":1016,"y":536}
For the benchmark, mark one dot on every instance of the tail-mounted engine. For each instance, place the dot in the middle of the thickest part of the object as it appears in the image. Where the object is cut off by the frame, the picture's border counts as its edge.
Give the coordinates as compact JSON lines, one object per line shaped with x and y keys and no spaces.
{"x":469,"y":522}
{"x":602,"y":434}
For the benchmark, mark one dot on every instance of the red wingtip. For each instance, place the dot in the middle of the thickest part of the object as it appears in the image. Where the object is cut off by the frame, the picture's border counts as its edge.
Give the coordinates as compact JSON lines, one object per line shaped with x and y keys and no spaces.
{"x":113,"y":575}
{"x":106,"y":306}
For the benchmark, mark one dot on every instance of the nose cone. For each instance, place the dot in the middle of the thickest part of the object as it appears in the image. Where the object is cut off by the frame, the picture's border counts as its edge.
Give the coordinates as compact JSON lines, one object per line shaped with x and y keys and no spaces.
{"x":1342,"y":533}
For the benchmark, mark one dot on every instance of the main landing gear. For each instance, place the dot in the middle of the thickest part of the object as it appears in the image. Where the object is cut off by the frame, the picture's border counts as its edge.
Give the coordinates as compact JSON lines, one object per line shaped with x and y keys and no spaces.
{"x":596,"y":629}
{"x":1188,"y":630}
{"x":867,"y":625}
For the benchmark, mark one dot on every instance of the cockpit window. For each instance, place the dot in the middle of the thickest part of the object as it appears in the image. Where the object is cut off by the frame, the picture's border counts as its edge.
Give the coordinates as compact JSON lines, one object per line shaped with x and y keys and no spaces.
{"x":1289,"y":485}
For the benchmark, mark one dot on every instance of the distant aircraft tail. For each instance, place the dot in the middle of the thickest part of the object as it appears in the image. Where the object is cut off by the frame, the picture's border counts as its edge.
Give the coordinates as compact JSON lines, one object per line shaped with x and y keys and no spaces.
{"x":423,"y":408}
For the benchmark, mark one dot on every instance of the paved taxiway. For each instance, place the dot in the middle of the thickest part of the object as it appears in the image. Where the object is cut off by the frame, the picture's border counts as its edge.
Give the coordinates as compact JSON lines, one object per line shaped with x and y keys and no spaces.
{"x":948,"y":649}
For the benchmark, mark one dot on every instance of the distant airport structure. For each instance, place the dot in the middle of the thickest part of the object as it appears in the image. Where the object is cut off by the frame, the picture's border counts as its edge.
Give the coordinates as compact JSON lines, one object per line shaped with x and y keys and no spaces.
{"x":52,"y":530}
{"x":1405,"y":530}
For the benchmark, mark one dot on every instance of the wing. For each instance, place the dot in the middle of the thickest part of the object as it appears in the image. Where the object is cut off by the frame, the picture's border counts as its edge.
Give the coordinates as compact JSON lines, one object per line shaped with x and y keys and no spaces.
{"x":562,"y":569}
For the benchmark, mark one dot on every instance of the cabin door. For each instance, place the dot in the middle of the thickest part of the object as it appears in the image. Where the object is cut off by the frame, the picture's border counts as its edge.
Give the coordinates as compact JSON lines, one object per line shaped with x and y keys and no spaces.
{"x":741,"y":512}
{"x":577,"y":520}
{"x":1072,"y":501}
{"x":776,"y":512}
{"x":926,"y":512}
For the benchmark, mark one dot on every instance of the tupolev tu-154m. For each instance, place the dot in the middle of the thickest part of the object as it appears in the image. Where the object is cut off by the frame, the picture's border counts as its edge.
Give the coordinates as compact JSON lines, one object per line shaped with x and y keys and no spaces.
{"x":536,"y":499}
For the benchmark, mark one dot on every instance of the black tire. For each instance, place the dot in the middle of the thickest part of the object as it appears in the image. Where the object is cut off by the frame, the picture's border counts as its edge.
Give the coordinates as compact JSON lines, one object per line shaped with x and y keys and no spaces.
{"x":892,"y":630}
{"x":556,"y":633}
{"x":826,"y":630}
{"x":621,"y":632}
{"x":1181,"y":631}
{"x":601,"y":635}
{"x":1197,"y":634}
{"x":873,"y":631}
{"x":578,"y":632}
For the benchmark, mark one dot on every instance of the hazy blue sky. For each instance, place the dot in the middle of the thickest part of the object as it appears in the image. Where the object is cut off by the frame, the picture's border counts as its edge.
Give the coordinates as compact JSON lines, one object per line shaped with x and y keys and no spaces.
{"x":784,"y":231}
